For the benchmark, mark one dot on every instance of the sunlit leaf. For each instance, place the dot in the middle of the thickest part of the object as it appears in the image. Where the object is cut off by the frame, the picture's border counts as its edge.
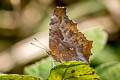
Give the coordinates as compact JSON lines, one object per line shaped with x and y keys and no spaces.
{"x":17,"y":77}
{"x":73,"y":71}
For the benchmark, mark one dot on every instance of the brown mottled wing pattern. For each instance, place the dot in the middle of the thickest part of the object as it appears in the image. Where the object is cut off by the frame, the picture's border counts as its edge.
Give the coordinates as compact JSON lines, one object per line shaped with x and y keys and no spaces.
{"x":65,"y":42}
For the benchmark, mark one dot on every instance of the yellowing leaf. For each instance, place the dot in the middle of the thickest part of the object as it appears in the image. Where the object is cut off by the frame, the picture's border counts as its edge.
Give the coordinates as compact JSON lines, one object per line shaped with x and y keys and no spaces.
{"x":73,"y":71}
{"x":17,"y":77}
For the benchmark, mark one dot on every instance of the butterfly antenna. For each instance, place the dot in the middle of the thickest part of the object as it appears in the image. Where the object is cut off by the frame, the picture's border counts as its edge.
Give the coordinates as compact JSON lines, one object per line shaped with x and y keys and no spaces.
{"x":48,"y":52}
{"x":37,"y":45}
{"x":40,"y":43}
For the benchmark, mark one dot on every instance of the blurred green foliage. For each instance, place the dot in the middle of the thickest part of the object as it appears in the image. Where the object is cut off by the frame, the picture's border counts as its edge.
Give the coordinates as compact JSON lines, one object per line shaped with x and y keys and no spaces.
{"x":107,"y":62}
{"x":109,"y":71}
{"x":106,"y":55}
{"x":40,"y":69}
{"x":85,"y":8}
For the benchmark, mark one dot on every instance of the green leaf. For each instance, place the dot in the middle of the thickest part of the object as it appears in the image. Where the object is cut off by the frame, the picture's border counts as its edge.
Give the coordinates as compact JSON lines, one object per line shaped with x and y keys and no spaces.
{"x":109,"y":71}
{"x":17,"y":77}
{"x":40,"y":69}
{"x":73,"y":71}
{"x":99,"y":38}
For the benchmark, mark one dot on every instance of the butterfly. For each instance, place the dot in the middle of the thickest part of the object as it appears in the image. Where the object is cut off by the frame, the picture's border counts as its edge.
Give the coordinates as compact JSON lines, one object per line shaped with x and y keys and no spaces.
{"x":66,"y":43}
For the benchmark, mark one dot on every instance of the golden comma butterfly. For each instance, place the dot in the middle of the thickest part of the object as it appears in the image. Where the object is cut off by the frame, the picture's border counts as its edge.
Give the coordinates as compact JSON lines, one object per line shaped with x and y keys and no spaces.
{"x":65,"y":42}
